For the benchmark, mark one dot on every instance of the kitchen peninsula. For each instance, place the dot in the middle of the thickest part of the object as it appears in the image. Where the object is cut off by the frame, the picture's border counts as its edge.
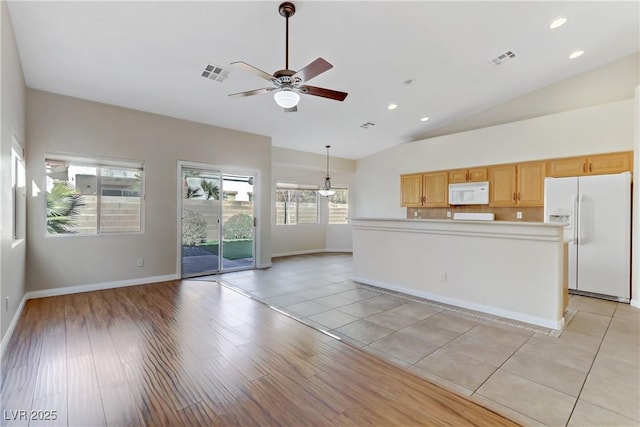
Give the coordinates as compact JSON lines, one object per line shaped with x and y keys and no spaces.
{"x":509,"y":269}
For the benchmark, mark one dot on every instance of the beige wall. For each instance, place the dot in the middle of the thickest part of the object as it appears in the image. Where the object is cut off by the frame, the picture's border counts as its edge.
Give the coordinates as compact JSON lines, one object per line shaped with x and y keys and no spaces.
{"x":58,"y":123}
{"x":12,"y":112}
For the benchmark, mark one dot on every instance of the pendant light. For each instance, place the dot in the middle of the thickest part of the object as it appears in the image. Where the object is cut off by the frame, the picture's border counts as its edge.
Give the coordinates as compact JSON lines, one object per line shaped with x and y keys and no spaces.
{"x":326,"y":190}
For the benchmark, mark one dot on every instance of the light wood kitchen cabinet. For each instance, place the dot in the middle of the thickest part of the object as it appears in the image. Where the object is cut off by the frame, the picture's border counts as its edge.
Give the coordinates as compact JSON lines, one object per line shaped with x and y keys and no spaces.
{"x":411,"y":190}
{"x":436,"y":189}
{"x":530,"y":183}
{"x":598,"y":164}
{"x":610,"y":163}
{"x":425,"y":190}
{"x":502,"y":185}
{"x":517,"y":185}
{"x":467,"y":175}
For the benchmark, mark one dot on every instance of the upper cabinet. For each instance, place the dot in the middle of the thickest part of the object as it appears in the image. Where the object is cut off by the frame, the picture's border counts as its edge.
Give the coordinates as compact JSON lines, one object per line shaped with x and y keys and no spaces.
{"x":502,"y":185}
{"x":436,"y":189}
{"x":531,"y":183}
{"x":517,"y":185}
{"x":425,"y":190}
{"x":467,"y":175}
{"x":598,"y":164}
{"x":411,"y":190}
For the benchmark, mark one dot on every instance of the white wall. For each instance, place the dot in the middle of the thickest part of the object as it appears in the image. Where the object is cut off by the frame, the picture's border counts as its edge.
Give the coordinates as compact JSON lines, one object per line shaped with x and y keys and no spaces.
{"x":70,"y":125}
{"x":600,"y":129}
{"x":297,"y":167}
{"x":12,"y":93}
{"x":498,"y":267}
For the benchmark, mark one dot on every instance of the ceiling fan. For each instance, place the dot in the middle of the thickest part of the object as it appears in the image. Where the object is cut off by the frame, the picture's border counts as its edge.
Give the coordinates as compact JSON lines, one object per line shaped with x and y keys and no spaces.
{"x":288,"y":84}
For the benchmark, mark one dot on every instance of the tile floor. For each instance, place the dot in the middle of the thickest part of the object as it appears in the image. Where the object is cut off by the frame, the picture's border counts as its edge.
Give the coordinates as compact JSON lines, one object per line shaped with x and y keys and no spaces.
{"x":585,"y":375}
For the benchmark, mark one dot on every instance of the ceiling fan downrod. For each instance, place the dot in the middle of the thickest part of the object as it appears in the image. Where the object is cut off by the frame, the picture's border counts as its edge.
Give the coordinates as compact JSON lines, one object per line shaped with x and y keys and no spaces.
{"x":287,"y":9}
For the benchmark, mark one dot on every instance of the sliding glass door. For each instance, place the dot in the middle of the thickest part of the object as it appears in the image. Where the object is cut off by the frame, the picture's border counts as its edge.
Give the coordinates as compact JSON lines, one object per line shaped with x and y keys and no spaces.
{"x":238,"y":224}
{"x":217,"y":221}
{"x":201,"y":212}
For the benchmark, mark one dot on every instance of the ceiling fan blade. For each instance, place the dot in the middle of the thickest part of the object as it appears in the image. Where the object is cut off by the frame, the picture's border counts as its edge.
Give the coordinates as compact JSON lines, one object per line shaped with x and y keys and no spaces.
{"x":324,"y":93}
{"x":253,"y":70}
{"x":291,"y":110}
{"x":252,"y":92}
{"x":312,"y":70}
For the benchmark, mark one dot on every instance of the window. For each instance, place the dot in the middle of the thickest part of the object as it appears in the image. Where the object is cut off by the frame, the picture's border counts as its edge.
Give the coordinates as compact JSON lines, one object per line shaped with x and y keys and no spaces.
{"x":93,"y":196}
{"x":18,"y":192}
{"x":296,"y":204}
{"x":339,"y":206}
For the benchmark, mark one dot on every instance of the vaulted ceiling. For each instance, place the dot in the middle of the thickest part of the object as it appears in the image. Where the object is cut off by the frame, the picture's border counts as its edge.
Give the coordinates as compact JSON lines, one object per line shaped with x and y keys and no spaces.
{"x":432,"y":59}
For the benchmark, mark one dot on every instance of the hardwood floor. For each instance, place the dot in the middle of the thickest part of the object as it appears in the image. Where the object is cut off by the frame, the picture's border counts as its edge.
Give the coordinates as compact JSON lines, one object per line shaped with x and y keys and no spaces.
{"x":197,"y":353}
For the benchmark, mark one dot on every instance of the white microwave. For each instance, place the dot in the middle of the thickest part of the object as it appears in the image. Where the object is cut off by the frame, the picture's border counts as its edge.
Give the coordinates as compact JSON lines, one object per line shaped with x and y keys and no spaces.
{"x":469,"y":193}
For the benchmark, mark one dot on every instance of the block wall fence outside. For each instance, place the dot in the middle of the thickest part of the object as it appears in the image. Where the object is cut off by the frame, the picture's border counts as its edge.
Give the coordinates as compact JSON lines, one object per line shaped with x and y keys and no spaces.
{"x":209,"y":210}
{"x":122,"y":214}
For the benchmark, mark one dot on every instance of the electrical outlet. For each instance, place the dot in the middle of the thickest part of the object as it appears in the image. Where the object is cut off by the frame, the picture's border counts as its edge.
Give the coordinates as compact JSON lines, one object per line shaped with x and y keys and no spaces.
{"x":140,"y":262}
{"x":415,"y":214}
{"x":448,"y":214}
{"x":443,"y":276}
{"x":518,"y":215}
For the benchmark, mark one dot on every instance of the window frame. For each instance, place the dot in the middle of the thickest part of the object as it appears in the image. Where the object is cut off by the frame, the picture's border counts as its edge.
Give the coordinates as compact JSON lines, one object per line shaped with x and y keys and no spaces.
{"x":99,"y":163}
{"x":18,"y":196}
{"x":298,"y":188}
{"x":347,"y":219}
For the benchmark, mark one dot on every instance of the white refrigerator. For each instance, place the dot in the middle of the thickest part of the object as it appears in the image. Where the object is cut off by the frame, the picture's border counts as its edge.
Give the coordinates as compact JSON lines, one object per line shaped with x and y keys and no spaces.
{"x":597,"y":211}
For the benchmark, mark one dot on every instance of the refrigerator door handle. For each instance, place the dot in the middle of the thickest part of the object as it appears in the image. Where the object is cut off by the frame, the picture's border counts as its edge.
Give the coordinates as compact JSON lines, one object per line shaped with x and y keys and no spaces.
{"x":581,"y":237}
{"x":574,"y":220}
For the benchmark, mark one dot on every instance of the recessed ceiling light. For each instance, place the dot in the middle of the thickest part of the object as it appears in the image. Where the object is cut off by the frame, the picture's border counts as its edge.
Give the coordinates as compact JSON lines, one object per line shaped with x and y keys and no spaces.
{"x":424,"y":119}
{"x":558,"y":23}
{"x":576,"y":54}
{"x":392,"y":106}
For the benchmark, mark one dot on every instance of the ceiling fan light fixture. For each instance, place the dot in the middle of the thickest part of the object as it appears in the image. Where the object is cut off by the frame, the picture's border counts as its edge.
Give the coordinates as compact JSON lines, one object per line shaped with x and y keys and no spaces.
{"x":286,"y":98}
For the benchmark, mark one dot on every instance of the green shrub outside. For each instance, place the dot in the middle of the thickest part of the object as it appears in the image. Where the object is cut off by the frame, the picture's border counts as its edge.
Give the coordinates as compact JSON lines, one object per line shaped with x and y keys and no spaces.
{"x":194,"y":228}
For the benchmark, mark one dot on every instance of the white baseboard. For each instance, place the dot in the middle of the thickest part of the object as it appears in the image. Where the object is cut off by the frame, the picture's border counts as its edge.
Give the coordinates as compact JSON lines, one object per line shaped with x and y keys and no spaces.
{"x":310,"y":251}
{"x":75,"y":290}
{"x":635,"y":303}
{"x":99,"y":286}
{"x":521,"y":317}
{"x":339,"y":250}
{"x":12,"y":326}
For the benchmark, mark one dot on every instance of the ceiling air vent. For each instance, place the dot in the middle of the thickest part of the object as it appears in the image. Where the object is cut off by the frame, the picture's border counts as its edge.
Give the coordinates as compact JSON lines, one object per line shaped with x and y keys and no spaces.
{"x":367,"y":125}
{"x":215,"y":72}
{"x":501,"y":59}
